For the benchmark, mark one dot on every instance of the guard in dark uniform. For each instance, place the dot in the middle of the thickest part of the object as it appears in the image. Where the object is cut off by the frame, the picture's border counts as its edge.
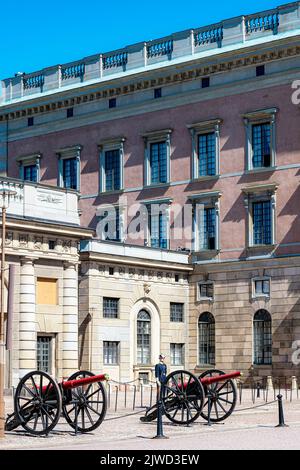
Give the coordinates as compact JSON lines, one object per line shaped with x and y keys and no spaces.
{"x":160,"y":373}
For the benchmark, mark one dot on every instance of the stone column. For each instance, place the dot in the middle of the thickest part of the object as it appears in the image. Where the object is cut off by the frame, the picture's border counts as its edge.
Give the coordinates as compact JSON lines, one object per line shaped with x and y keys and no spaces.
{"x":27,"y":323}
{"x":70,"y":319}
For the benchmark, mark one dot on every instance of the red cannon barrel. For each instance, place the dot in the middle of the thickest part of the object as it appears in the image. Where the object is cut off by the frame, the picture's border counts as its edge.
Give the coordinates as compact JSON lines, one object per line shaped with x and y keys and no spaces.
{"x":68,"y":384}
{"x":220,"y":378}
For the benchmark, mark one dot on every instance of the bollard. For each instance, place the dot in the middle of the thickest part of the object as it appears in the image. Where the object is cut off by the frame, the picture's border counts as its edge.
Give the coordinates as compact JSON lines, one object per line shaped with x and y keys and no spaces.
{"x":241,"y":391}
{"x":125,"y":396}
{"x":117,"y":393}
{"x":159,"y":429}
{"x":280,"y":413}
{"x":108,"y":386}
{"x":134,"y":396}
{"x":151,"y":393}
{"x":209,"y":407}
{"x":142,"y":388}
{"x":258,"y":390}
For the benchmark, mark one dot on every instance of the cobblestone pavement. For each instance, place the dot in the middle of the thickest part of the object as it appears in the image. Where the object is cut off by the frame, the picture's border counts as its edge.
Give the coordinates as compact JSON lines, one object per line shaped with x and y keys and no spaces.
{"x":250,"y":428}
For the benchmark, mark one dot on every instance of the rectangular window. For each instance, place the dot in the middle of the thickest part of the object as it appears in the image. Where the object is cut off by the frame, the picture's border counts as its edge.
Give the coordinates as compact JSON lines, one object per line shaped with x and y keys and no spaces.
{"x":112,"y":170}
{"x":111,"y":227}
{"x":112,"y":103}
{"x":30,"y":121}
{"x":46,"y":291}
{"x":176,"y":312}
{"x":158,"y":230}
{"x":260,"y":70}
{"x":261,"y":287}
{"x":177,"y":354}
{"x":110,"y":307}
{"x":207,"y":154}
{"x":144,"y":378}
{"x":111,"y":352}
{"x":262,"y":223}
{"x":158,"y":162}
{"x":261,"y":145}
{"x":205,"y":82}
{"x":207,"y":229}
{"x":157,"y":93}
{"x":44,"y":354}
{"x":206,"y":290}
{"x":69,"y":173}
{"x":70,"y":112}
{"x":30,"y":173}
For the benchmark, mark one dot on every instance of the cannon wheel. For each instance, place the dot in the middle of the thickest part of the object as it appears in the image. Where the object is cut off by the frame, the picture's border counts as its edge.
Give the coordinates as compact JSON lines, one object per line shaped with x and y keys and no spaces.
{"x":86,"y":407}
{"x":38,"y":403}
{"x":223,"y":397}
{"x":182,"y":404}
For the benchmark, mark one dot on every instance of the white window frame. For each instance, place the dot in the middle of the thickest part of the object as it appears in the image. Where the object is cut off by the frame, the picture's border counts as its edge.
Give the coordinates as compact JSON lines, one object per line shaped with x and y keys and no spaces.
{"x":106,"y":145}
{"x":202,"y":128}
{"x":205,"y":299}
{"x":260,"y":117}
{"x":260,"y":296}
{"x":65,"y":154}
{"x":28,"y":160}
{"x":208,"y":200}
{"x":260,"y":193}
{"x":152,"y":138}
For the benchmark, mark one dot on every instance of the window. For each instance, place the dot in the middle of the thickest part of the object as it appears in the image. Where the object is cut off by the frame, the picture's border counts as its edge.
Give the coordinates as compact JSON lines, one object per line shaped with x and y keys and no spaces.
{"x":144,"y":378}
{"x":46,"y":292}
{"x":111,"y":352}
{"x":260,"y":70}
{"x":110,"y":307}
{"x":205,"y":82}
{"x":157,"y":157}
{"x":69,"y":167}
{"x":158,"y":162}
{"x":261,"y":287}
{"x":205,"y":290}
{"x":69,"y":173}
{"x":157,"y":93}
{"x":70,"y":112}
{"x":260,"y":139}
{"x":207,"y":229}
{"x":176,"y":312}
{"x":111,"y":271}
{"x":262,"y":332}
{"x":30,"y":121}
{"x":30,"y":173}
{"x":262,"y":225}
{"x":176,"y":277}
{"x":205,"y":148}
{"x":206,"y":335}
{"x":112,"y":103}
{"x":111,"y":164}
{"x":111,"y":230}
{"x":177,"y":354}
{"x":143,"y":338}
{"x":261,"y":145}
{"x":112,"y":170}
{"x":207,"y":154}
{"x":44,"y":354}
{"x":158,"y":230}
{"x":52,"y":244}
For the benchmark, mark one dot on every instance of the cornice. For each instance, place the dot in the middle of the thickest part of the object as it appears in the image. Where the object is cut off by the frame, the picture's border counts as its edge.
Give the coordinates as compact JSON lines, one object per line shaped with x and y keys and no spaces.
{"x":223,"y":64}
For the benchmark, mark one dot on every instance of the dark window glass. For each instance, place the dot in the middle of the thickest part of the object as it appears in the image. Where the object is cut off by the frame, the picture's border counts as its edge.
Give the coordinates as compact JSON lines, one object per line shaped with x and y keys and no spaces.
{"x":70,"y":173}
{"x":207,"y":229}
{"x":176,"y":277}
{"x":44,"y":353}
{"x":207,"y":154}
{"x":111,"y":352}
{"x":262,"y":330}
{"x":112,"y":103}
{"x":261,"y":147}
{"x":206,"y":289}
{"x":205,"y":82}
{"x":158,"y":230}
{"x":176,"y":312}
{"x":143,"y":338}
{"x":262,"y":287}
{"x":206,"y":334}
{"x":110,"y":307}
{"x":30,"y":173}
{"x":70,"y":112}
{"x":52,"y":244}
{"x":30,"y":121}
{"x":158,"y":162}
{"x":111,"y":271}
{"x":112,"y":170}
{"x":262,"y":223}
{"x":157,"y":93}
{"x":260,"y":70}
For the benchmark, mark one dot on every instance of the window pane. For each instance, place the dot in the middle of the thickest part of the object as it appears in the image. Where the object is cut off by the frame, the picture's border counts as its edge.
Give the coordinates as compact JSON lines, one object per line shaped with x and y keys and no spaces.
{"x":176,"y":312}
{"x":262,"y":224}
{"x":177,"y":356}
{"x":70,"y":173}
{"x":261,"y":145}
{"x":158,"y":230}
{"x":158,"y":162}
{"x":207,"y":154}
{"x":110,"y":307}
{"x":111,"y":352}
{"x":207,"y":229}
{"x":262,"y":330}
{"x":206,"y":289}
{"x":143,"y":338}
{"x":112,"y":170}
{"x":206,"y":332}
{"x":44,"y":353}
{"x":30,"y":173}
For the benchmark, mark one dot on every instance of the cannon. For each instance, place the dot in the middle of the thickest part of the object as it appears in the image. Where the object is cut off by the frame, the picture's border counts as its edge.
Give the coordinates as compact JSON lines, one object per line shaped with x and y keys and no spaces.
{"x":185,"y":397}
{"x":40,"y":401}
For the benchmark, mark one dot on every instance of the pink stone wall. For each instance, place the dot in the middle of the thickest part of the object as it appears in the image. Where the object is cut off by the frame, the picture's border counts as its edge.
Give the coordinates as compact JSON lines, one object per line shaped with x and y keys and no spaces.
{"x":230,"y":110}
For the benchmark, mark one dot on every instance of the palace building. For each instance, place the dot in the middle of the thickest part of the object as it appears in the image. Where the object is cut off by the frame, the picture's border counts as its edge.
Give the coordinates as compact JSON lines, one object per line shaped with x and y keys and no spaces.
{"x":184,"y":155}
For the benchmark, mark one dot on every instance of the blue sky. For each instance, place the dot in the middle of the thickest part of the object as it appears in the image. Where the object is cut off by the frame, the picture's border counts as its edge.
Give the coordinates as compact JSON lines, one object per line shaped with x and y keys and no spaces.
{"x":36,"y":34}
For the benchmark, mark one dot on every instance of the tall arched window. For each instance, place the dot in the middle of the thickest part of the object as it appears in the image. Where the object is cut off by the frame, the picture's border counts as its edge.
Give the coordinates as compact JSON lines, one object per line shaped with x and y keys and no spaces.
{"x":262,"y":336}
{"x":206,"y":334}
{"x":143,"y":337}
